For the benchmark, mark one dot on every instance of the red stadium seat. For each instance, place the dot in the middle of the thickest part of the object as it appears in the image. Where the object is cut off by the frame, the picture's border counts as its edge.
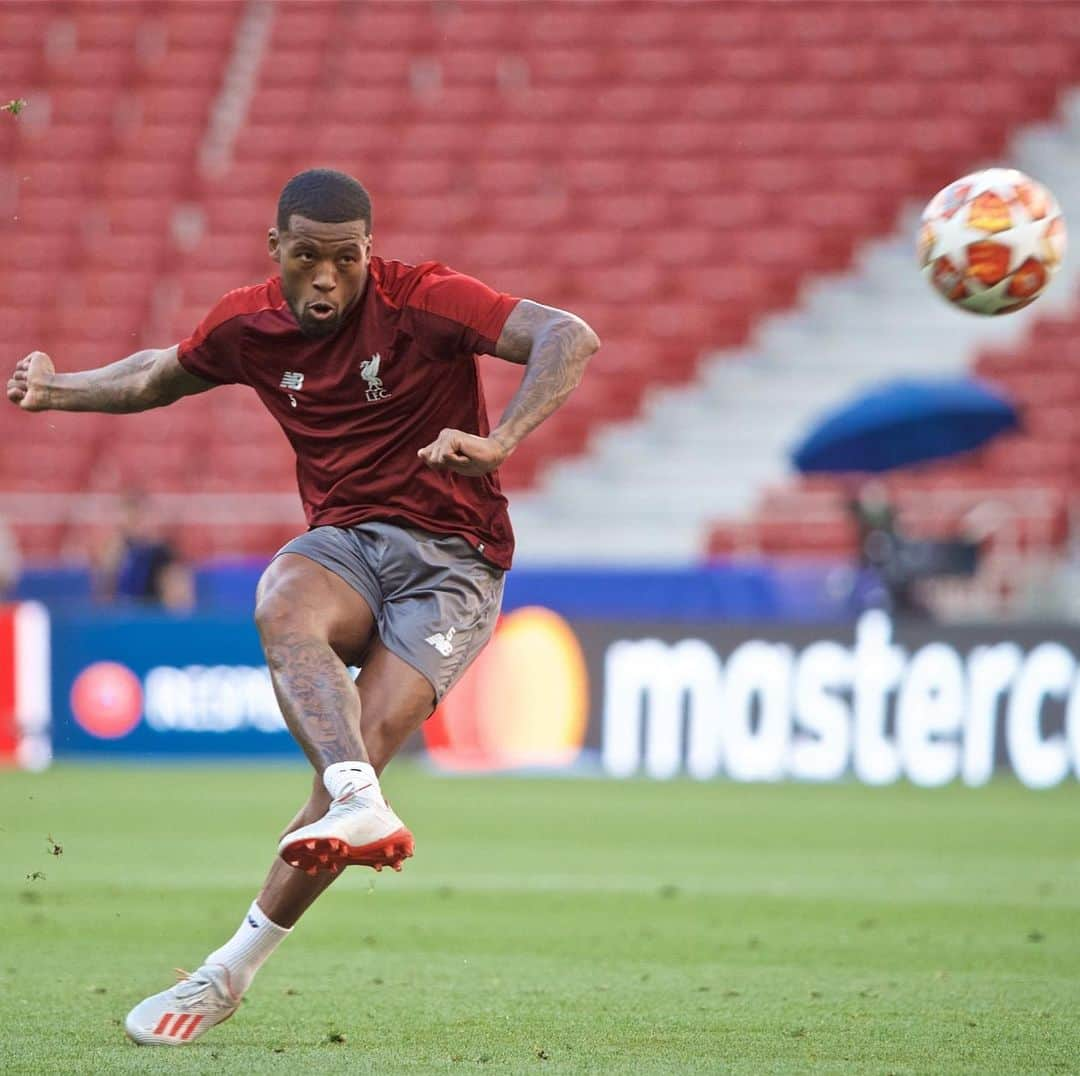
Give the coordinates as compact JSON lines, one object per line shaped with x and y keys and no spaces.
{"x":24,"y":26}
{"x":424,"y":176}
{"x":123,"y":178}
{"x":34,"y":251}
{"x":306,"y":25}
{"x":581,"y":24}
{"x":401,"y":69}
{"x":392,"y":26}
{"x":83,"y":104}
{"x":173,"y":104}
{"x":126,"y":464}
{"x":105,"y":66}
{"x":475,"y":102}
{"x":726,"y":25}
{"x":124,"y":216}
{"x":544,"y":209}
{"x":181,"y":66}
{"x":64,"y":142}
{"x":492,"y":25}
{"x":155,"y":141}
{"x":103,"y":28}
{"x":46,"y":214}
{"x":584,"y":64}
{"x":57,"y":465}
{"x":207,"y":26}
{"x":670,"y":172}
{"x":543,"y":103}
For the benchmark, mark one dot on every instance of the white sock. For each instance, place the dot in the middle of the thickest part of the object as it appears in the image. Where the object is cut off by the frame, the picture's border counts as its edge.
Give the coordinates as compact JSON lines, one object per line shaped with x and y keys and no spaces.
{"x":345,"y":778}
{"x":248,"y":949}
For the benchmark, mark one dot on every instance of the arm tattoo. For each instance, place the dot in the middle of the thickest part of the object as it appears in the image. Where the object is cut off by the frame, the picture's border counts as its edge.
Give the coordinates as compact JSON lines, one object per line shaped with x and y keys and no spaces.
{"x":151,"y":378}
{"x":317,"y":698}
{"x":555,"y":346}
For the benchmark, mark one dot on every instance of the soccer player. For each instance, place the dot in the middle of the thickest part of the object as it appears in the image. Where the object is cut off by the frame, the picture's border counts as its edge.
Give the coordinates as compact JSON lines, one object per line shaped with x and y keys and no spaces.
{"x":369,"y":367}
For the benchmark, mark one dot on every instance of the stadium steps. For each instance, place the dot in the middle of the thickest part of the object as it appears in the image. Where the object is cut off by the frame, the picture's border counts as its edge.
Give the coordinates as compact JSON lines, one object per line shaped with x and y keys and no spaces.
{"x":672,"y":176}
{"x":653,"y":488}
{"x":514,"y":147}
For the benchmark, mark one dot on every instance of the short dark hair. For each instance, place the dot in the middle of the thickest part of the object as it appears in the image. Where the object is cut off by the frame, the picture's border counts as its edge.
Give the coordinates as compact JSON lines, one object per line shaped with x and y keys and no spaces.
{"x":324,"y":195}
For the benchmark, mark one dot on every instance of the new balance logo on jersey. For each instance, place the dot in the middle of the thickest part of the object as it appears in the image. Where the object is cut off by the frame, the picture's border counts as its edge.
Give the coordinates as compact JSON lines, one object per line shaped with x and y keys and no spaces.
{"x":443,"y":643}
{"x":294,"y":382}
{"x":369,"y":371}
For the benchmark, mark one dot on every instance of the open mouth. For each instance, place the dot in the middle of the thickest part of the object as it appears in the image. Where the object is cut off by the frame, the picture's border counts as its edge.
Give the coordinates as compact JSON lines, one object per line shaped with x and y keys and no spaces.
{"x":321,"y":310}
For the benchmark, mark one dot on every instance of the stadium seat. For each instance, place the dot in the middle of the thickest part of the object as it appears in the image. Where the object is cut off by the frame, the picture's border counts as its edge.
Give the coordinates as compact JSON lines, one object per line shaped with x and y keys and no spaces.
{"x":1024,"y":482}
{"x":203,"y":27}
{"x":670,"y":172}
{"x":23,"y":27}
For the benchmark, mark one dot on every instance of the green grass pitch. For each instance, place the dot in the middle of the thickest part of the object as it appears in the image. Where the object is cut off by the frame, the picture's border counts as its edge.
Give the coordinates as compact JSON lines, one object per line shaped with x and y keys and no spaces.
{"x":555,"y":926}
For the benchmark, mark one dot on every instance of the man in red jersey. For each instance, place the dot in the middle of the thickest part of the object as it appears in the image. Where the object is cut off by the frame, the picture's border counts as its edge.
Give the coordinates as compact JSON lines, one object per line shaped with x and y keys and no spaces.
{"x":369,"y":366}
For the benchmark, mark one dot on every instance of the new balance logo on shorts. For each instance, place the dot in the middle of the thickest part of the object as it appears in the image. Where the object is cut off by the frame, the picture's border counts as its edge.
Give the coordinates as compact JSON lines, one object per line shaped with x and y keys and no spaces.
{"x":443,"y":643}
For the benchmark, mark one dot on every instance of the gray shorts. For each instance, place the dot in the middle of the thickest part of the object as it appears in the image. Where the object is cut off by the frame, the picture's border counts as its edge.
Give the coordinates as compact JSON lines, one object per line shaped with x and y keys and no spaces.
{"x":435,"y":599}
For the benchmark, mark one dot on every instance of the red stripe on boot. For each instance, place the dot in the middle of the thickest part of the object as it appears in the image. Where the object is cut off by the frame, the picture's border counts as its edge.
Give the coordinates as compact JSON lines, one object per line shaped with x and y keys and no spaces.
{"x":191,"y":1027}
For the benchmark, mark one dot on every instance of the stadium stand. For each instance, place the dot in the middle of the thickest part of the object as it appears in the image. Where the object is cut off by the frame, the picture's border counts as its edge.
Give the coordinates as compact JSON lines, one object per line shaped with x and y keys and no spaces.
{"x":1017,"y":497}
{"x":678,"y":175}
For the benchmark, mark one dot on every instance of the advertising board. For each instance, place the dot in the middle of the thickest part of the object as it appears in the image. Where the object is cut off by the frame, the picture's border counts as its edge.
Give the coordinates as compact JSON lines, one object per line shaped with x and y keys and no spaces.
{"x":25,"y":705}
{"x":159,"y":685}
{"x":874,"y":701}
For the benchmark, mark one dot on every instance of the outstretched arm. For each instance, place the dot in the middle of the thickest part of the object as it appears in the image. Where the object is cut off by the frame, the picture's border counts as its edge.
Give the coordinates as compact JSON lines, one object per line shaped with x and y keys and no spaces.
{"x":554,"y":346}
{"x":151,"y":378}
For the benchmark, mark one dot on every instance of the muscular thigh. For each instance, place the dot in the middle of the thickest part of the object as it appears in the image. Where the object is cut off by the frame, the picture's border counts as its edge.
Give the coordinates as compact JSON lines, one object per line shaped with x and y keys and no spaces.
{"x":296,"y":594}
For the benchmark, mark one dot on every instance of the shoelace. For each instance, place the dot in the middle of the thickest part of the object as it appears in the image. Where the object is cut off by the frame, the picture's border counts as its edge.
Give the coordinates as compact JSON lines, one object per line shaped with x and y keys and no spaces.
{"x":191,"y":986}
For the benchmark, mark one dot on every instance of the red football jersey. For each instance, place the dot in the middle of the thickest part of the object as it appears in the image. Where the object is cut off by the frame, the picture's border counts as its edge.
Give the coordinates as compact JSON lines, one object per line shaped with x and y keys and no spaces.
{"x":357,"y":406}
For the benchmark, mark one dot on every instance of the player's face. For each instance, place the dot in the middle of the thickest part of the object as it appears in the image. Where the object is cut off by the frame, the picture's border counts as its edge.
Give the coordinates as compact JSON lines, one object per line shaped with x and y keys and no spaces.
{"x":323,"y":270}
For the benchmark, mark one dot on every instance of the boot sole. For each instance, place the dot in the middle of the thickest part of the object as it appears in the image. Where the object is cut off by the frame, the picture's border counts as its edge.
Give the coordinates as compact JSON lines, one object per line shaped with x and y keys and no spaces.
{"x":315,"y":854}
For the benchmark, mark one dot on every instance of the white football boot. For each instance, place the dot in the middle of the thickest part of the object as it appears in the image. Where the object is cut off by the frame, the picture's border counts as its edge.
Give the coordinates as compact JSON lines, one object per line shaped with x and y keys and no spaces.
{"x":184,"y":1012}
{"x":359,"y":828}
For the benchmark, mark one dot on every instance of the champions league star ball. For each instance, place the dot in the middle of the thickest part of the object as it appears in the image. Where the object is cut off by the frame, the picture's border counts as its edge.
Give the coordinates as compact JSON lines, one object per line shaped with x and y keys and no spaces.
{"x":991,"y":241}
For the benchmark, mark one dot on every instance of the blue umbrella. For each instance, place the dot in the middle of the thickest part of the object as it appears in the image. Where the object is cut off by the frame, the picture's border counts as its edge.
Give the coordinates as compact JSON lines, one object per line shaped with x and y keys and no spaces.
{"x":903,"y":422}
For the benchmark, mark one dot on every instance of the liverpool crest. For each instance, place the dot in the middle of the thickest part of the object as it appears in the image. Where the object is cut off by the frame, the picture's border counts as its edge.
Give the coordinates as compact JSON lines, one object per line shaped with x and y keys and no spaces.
{"x":369,"y":371}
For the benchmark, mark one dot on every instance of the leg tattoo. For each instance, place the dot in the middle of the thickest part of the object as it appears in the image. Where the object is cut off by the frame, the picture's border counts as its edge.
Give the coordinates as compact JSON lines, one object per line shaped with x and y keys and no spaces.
{"x":317,"y":698}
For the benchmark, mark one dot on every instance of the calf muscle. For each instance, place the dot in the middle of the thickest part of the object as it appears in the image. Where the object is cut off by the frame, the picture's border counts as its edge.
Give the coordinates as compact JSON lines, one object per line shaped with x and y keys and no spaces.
{"x":317,"y":698}
{"x":311,"y":623}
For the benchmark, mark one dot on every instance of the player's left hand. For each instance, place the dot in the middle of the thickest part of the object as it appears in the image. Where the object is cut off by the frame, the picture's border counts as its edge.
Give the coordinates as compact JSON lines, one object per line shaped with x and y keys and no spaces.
{"x":463,"y":453}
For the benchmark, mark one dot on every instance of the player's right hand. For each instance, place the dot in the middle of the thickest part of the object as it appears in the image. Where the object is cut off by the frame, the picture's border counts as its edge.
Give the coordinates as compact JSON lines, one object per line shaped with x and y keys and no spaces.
{"x":28,"y":386}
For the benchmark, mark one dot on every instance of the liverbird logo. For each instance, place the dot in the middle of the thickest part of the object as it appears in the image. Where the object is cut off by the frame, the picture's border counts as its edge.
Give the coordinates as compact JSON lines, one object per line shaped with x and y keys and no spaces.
{"x":369,"y":371}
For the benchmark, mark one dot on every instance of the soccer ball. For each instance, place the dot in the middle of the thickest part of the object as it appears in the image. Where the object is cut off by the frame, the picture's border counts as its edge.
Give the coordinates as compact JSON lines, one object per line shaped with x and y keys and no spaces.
{"x":991,"y":241}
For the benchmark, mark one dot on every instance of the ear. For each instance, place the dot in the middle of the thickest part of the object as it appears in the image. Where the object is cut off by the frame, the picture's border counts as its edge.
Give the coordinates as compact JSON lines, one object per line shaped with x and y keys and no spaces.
{"x":273,"y":244}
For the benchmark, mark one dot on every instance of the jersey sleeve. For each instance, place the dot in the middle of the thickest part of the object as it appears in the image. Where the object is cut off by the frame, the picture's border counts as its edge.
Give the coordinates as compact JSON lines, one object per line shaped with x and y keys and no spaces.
{"x":458,"y":313}
{"x":212,"y":351}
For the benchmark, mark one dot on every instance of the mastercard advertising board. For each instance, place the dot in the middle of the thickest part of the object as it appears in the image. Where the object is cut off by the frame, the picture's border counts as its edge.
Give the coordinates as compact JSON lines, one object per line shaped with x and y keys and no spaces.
{"x":874,"y":701}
